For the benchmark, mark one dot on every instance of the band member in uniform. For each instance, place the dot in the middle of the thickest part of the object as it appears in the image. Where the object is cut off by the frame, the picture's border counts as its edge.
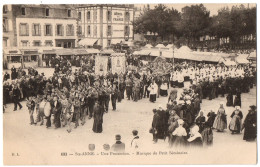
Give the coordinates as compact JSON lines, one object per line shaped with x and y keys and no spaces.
{"x":129,"y":87}
{"x":56,"y":109}
{"x":76,"y":104}
{"x":31,"y":105}
{"x":114,"y":96}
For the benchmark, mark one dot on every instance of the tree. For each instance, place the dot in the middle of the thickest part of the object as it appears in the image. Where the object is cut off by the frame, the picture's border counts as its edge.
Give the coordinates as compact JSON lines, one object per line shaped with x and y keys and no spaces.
{"x":195,"y":19}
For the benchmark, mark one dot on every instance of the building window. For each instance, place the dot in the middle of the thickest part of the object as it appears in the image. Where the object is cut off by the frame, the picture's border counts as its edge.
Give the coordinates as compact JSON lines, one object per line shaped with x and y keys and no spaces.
{"x":69,"y":13}
{"x":109,"y":30}
{"x":88,"y":15}
{"x":89,"y":31}
{"x":48,"y":30}
{"x":36,"y":43}
{"x":95,"y":30}
{"x":108,"y":42}
{"x":127,"y":30}
{"x":47,"y":12}
{"x":36,"y":30}
{"x":70,"y":30}
{"x":24,"y":43}
{"x":23,"y":11}
{"x":95,"y":15}
{"x":24,"y":29}
{"x":59,"y":30}
{"x":5,"y":42}
{"x":127,"y":16}
{"x":48,"y":43}
{"x":5,"y":24}
{"x":109,"y":15}
{"x":79,"y":15}
{"x":79,"y":30}
{"x":5,"y":9}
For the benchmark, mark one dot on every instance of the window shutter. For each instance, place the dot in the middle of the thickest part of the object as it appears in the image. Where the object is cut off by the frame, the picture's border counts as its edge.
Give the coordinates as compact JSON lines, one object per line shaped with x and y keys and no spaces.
{"x":111,"y":30}
{"x":67,"y":30}
{"x":62,"y":30}
{"x":20,"y":29}
{"x":56,"y":30}
{"x":33,"y":31}
{"x":40,"y":31}
{"x":72,"y":30}
{"x":27,"y":29}
{"x":44,"y":28}
{"x":51,"y":30}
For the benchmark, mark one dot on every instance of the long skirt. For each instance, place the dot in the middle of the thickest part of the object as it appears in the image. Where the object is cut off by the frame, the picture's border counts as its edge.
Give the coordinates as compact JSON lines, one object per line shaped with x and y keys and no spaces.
{"x":152,"y":97}
{"x":229,"y":100}
{"x":178,"y":141}
{"x":97,"y":125}
{"x":237,"y":101}
{"x":235,"y":124}
{"x":220,"y":124}
{"x":163,"y":92}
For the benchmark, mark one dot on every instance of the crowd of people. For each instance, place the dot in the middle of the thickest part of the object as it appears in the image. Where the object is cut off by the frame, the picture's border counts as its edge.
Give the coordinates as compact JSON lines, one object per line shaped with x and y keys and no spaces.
{"x":69,"y":97}
{"x":184,"y":123}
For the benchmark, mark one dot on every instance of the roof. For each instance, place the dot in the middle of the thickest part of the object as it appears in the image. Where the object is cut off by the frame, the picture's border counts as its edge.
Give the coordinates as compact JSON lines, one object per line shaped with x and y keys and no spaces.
{"x":167,"y":54}
{"x":229,"y":63}
{"x":252,"y":55}
{"x":54,"y":6}
{"x":198,"y":56}
{"x":160,"y":46}
{"x":92,"y":50}
{"x":242,"y":59}
{"x":67,"y":51}
{"x":155,"y":53}
{"x":142,"y":52}
{"x":148,"y":46}
{"x":88,"y":41}
{"x":184,"y":49}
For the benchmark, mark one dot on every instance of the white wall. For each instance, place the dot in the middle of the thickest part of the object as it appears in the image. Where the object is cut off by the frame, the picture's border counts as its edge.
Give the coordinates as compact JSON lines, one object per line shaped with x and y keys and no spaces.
{"x":42,"y":22}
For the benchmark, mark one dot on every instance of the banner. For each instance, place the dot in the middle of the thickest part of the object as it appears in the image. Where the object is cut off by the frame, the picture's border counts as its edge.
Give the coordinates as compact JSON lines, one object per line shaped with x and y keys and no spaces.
{"x":118,"y":63}
{"x":101,"y":63}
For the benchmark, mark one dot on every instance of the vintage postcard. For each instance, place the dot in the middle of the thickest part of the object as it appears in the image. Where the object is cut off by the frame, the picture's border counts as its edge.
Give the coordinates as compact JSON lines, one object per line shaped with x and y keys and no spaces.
{"x":109,"y":84}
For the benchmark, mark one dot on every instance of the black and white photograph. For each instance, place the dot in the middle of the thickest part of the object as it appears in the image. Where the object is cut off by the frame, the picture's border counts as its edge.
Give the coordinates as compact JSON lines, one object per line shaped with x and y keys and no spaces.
{"x":129,"y":84}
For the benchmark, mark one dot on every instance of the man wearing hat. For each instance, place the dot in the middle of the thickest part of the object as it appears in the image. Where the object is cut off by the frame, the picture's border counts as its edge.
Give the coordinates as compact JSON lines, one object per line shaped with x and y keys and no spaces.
{"x":16,"y":97}
{"x":118,"y":146}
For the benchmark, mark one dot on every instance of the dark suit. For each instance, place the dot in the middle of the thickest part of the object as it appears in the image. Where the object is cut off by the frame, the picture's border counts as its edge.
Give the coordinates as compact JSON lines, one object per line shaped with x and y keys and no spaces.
{"x":16,"y":98}
{"x":56,"y":110}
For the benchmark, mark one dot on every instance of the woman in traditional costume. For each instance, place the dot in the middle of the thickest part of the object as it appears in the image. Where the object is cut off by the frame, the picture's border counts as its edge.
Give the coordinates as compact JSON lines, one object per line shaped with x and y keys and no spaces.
{"x":236,"y":121}
{"x":221,"y":121}
{"x":179,"y":135}
{"x":195,"y":139}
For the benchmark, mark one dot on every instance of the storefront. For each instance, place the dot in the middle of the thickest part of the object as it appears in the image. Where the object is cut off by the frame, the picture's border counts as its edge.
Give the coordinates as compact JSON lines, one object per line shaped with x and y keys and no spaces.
{"x":30,"y":58}
{"x":12,"y":57}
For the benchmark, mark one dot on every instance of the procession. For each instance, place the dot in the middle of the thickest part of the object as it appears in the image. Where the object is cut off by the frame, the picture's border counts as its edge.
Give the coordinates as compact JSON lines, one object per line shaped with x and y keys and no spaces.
{"x":129,"y":97}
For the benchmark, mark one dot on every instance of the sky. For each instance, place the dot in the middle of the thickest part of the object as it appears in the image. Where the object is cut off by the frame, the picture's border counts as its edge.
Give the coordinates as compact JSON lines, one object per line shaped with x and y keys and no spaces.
{"x":212,"y":7}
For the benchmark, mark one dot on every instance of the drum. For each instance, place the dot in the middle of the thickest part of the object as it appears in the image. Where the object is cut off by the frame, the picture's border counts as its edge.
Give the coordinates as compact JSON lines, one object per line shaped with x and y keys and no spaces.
{"x":47,"y":109}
